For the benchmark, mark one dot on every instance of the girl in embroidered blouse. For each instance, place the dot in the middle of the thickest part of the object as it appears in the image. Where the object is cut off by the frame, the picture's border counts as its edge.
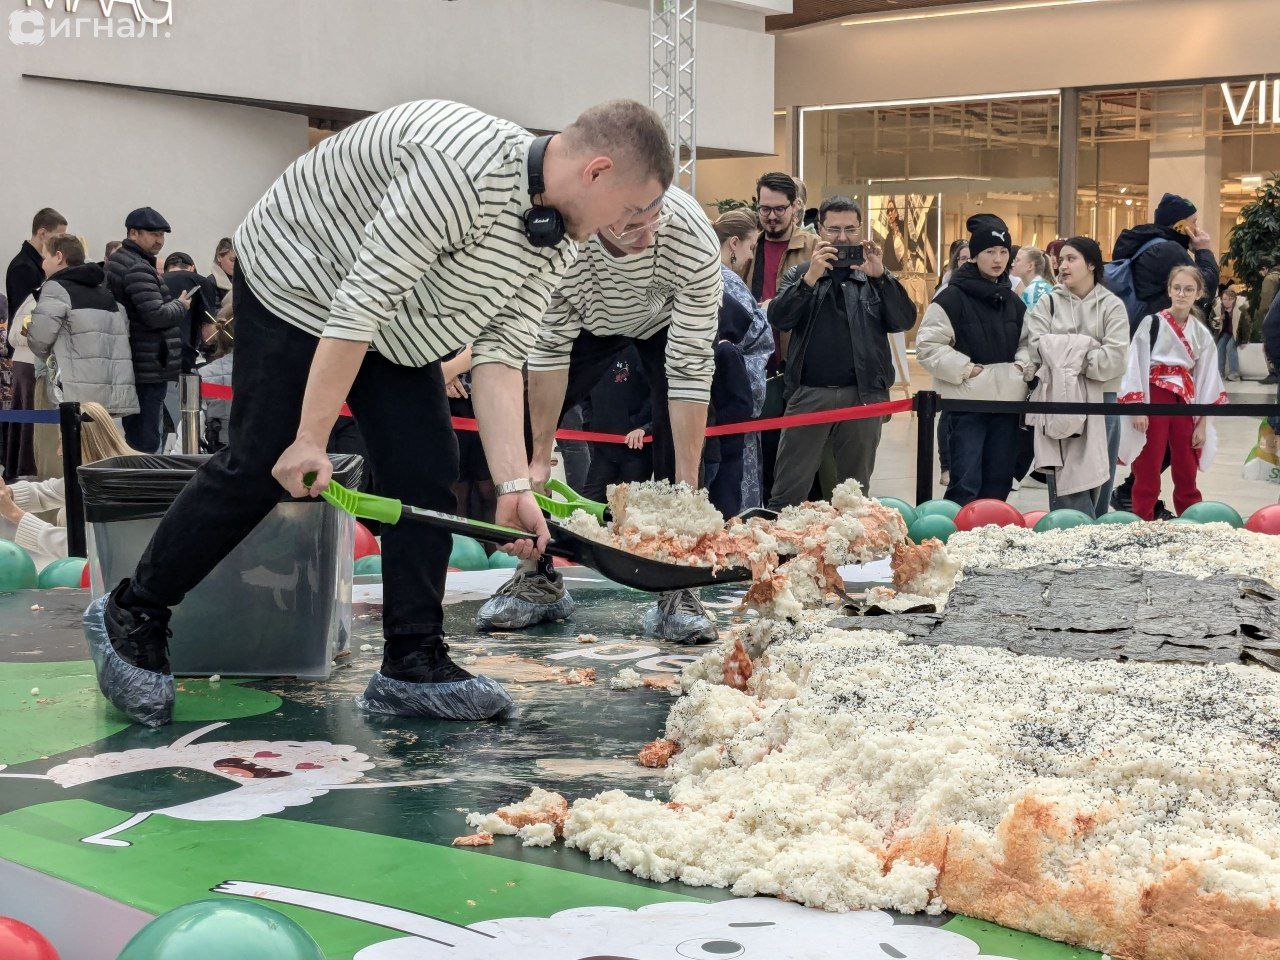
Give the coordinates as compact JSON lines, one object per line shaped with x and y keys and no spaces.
{"x":1176,"y":362}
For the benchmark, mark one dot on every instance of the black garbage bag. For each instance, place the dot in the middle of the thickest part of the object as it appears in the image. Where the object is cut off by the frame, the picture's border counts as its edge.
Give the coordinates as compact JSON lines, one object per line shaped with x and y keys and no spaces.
{"x":144,"y":485}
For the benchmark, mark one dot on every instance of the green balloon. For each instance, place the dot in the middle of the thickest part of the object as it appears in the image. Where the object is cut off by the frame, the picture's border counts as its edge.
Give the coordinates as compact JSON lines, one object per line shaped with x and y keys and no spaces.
{"x":63,"y":572}
{"x":938,"y":508}
{"x":222,"y":928}
{"x":502,"y":561}
{"x":907,"y":510}
{"x":468,"y":554}
{"x":17,"y":569}
{"x":1119,"y":516}
{"x":1212,"y":511}
{"x":1062,"y":520}
{"x":369,"y":566}
{"x":1184,"y":521}
{"x":931,"y":526}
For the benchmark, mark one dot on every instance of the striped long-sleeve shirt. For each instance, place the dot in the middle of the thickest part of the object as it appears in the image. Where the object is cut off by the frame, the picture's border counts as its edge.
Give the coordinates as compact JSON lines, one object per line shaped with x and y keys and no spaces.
{"x":676,"y":284}
{"x":405,"y":231}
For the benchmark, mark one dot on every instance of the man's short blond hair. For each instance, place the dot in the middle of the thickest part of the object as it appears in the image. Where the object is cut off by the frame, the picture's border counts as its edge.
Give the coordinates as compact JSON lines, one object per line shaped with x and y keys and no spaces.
{"x":627,"y":132}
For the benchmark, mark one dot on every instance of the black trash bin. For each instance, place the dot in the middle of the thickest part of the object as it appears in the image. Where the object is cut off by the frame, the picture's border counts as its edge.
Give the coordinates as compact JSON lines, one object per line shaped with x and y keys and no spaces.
{"x":278,"y":605}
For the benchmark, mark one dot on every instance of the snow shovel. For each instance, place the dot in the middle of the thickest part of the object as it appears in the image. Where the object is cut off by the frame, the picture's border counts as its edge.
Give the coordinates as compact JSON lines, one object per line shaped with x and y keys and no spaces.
{"x":570,"y":500}
{"x":622,"y":567}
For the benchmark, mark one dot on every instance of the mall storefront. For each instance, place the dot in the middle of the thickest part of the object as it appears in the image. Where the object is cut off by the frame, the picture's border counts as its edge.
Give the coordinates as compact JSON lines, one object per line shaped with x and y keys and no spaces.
{"x":1049,"y":162}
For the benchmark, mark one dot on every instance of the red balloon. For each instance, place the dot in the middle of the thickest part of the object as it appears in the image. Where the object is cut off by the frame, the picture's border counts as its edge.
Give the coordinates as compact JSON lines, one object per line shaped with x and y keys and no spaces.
{"x":1032,"y":517}
{"x":84,"y":576}
{"x":21,"y":942}
{"x":986,"y":513}
{"x":1265,"y":520}
{"x":366,"y":542}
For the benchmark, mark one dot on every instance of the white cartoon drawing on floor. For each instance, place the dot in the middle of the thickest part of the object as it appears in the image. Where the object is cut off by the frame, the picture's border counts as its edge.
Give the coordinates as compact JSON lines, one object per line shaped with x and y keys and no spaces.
{"x":268,"y":776}
{"x":756,"y":929}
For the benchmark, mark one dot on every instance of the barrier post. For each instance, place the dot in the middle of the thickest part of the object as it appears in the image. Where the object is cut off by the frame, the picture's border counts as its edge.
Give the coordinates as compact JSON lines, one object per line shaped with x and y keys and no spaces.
{"x":926,"y":426}
{"x":189,"y":401}
{"x":69,"y":428}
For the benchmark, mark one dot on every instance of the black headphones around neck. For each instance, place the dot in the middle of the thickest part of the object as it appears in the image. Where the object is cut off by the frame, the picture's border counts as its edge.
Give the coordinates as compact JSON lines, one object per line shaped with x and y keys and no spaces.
{"x":543,"y":226}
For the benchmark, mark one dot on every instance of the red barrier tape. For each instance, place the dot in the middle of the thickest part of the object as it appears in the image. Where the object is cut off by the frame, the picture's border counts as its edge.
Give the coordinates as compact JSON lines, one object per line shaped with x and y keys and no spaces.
{"x":215,"y":391}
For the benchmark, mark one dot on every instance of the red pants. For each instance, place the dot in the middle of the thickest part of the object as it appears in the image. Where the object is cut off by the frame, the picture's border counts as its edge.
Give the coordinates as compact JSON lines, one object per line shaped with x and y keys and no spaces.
{"x":1174,"y":433}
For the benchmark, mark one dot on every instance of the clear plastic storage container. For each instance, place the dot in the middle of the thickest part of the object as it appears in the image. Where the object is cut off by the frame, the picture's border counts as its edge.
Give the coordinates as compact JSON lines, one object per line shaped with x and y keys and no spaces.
{"x":278,"y":605}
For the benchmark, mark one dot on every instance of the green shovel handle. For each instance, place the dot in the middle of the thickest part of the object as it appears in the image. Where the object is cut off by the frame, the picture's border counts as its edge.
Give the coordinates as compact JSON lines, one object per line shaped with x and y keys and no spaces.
{"x":365,"y":506}
{"x":572,"y":501}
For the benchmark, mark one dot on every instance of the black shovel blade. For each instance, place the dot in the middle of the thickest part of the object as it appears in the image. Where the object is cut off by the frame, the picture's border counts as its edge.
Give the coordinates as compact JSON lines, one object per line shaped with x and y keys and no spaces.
{"x":641,"y":573}
{"x":622,"y":567}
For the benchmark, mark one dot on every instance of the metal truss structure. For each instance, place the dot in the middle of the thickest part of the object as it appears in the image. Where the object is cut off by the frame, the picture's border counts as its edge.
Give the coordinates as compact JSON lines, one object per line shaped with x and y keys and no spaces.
{"x":672,"y":79}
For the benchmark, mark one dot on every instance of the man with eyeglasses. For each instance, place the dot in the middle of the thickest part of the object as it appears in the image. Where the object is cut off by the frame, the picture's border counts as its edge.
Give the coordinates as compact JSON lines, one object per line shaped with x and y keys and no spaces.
{"x":782,"y":243}
{"x":654,"y":282}
{"x":839,"y":308}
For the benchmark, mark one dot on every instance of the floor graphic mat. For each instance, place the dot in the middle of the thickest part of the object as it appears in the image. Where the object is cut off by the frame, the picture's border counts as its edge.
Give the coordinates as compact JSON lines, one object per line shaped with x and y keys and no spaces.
{"x":281,"y":791}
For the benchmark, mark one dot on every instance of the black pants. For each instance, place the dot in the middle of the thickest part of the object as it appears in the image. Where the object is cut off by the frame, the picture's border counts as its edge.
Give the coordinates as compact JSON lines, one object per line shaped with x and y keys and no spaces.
{"x":144,"y":430}
{"x":575,"y":453}
{"x":615,"y":463}
{"x":404,"y":418}
{"x":984,"y":453}
{"x":591,"y":357}
{"x":19,"y":438}
{"x":724,"y":476}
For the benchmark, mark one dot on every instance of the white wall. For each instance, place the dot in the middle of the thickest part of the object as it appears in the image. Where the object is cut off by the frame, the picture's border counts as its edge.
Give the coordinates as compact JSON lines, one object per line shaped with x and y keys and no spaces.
{"x":538,"y":62}
{"x":1121,"y":42}
{"x":94,"y":154}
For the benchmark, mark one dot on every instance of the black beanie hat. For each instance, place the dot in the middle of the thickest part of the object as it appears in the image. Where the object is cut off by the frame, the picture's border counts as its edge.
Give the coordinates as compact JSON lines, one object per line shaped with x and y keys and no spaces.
{"x":1173,"y":209}
{"x":986,"y":230}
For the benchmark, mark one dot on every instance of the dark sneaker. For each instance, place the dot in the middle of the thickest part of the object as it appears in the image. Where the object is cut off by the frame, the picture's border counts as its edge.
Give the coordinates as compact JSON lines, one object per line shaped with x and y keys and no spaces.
{"x":130,"y":657}
{"x":1271,"y":378}
{"x":431,"y":665}
{"x":530,"y":597}
{"x":140,"y":637}
{"x":680,"y":616}
{"x":1162,"y":512}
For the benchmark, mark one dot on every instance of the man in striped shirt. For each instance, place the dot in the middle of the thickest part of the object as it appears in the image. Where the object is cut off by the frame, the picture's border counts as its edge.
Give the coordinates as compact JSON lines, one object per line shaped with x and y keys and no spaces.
{"x":398,"y":240}
{"x":657,"y":286}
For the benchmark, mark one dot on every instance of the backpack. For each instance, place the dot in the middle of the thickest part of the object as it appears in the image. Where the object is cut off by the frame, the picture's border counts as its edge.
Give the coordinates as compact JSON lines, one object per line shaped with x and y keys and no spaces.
{"x":1118,"y":277}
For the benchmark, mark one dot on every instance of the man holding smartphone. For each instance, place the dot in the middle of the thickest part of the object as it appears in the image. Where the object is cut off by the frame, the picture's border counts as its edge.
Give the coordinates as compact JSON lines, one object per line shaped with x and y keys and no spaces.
{"x":840,"y":307}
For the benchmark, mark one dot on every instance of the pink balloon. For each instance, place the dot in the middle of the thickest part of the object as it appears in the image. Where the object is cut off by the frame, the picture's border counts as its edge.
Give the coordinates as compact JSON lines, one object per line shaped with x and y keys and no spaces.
{"x":21,"y":942}
{"x":986,"y":513}
{"x":366,"y":542}
{"x":1265,"y":520}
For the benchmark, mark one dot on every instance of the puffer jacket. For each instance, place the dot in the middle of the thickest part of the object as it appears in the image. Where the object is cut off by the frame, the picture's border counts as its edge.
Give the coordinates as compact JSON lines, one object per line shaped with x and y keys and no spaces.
{"x":79,"y":322}
{"x":155,"y":319}
{"x":1099,"y":315}
{"x":975,"y":321}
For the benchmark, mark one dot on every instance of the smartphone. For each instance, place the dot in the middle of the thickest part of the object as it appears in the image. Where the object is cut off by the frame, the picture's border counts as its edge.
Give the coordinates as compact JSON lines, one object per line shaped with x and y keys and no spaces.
{"x":849,"y":255}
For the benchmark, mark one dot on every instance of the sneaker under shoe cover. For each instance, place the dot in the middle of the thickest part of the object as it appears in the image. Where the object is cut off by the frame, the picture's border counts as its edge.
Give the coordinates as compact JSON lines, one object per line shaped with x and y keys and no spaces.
{"x":530,"y":597}
{"x":680,"y":616}
{"x":479,"y":698}
{"x":144,"y":696}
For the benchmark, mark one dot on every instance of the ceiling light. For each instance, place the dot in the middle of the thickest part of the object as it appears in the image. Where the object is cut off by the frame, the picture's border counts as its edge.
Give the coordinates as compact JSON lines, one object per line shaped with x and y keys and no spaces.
{"x":1124,"y":189}
{"x":964,"y":11}
{"x":927,"y":101}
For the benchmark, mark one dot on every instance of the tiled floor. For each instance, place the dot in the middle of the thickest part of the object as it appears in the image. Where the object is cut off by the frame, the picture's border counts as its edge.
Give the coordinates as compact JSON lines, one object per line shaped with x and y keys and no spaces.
{"x":895,"y":473}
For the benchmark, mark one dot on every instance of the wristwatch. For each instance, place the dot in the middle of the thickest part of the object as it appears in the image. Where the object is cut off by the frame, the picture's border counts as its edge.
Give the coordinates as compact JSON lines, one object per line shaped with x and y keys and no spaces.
{"x":518,"y":485}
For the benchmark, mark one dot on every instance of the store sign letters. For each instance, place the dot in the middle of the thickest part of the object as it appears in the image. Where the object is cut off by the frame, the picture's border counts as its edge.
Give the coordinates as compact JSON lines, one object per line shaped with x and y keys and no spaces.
{"x":1266,"y":107}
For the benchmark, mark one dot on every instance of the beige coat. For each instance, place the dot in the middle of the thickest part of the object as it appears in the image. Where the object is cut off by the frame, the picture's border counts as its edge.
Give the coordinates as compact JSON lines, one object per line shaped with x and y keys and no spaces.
{"x":1100,"y":315}
{"x":935,"y":349}
{"x":1074,"y":446}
